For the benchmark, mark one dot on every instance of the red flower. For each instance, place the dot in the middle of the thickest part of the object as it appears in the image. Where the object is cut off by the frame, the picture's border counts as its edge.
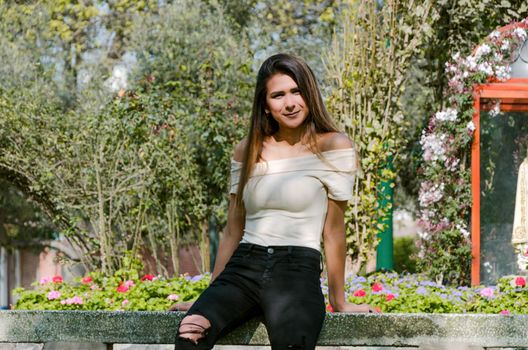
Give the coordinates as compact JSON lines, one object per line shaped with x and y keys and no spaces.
{"x":329,"y":308}
{"x":147,"y":277}
{"x":359,"y":293}
{"x":122,"y":288}
{"x":86,"y":280}
{"x":377,"y":287}
{"x":57,"y":279}
{"x":389,"y":297}
{"x":520,"y":282}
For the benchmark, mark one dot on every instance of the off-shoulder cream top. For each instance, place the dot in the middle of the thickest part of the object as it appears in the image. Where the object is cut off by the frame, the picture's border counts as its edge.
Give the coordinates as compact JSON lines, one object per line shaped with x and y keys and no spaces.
{"x":286,"y":200}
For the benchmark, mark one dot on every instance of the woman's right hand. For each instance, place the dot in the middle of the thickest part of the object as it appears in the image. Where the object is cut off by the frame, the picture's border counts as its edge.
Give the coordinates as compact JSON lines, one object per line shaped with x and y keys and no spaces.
{"x":361,"y":308}
{"x":183,"y":306}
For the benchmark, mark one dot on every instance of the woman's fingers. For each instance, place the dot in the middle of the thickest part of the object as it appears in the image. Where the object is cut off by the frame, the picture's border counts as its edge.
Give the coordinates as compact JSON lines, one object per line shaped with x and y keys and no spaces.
{"x":184,"y":306}
{"x":361,"y":308}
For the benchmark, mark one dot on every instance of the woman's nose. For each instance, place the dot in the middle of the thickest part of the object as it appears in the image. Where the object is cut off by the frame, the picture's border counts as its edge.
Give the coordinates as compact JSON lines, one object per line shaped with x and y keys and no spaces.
{"x":289,"y":101}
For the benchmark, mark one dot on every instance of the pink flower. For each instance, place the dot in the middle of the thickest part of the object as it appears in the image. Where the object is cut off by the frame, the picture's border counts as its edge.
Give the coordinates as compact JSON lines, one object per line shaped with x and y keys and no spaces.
{"x":520,"y":282}
{"x":45,"y":280}
{"x":57,"y":279}
{"x":71,"y":301}
{"x":54,"y":294}
{"x":504,"y":312}
{"x":147,"y":277}
{"x":123,"y":304}
{"x":377,"y":287}
{"x":329,"y":308}
{"x":122,"y":288}
{"x":94,"y":287}
{"x":129,"y":283}
{"x":487,"y":292}
{"x":389,"y":297}
{"x":173,"y":297}
{"x":359,"y":293}
{"x":87,"y":280}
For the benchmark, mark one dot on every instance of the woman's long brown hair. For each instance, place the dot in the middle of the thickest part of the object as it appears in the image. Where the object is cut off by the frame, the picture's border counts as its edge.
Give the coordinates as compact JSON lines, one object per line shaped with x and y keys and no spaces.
{"x":261,"y":126}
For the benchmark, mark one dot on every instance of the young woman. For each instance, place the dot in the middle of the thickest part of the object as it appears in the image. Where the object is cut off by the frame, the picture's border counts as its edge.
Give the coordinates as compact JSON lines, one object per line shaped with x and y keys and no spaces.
{"x":291,"y":179}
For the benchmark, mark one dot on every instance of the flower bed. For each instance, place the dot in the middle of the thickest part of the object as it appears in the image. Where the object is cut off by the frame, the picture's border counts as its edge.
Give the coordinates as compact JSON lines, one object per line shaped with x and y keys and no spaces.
{"x":389,"y":292}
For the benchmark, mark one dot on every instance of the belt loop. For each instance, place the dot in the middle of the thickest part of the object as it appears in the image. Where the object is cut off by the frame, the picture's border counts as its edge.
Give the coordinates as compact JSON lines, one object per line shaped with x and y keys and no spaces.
{"x":290,"y":249}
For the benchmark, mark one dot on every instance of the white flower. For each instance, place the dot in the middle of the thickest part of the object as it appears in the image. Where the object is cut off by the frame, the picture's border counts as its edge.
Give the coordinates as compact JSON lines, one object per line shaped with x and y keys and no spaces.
{"x":451,"y":164}
{"x":503,"y":72}
{"x":433,"y":147}
{"x":449,"y":114}
{"x":456,"y":56}
{"x":471,"y":62}
{"x":430,"y":193}
{"x":520,"y":33}
{"x":482,"y":50}
{"x":494,"y":35}
{"x":463,"y":230}
{"x":470,"y":126}
{"x":505,"y":45}
{"x":495,"y":111}
{"x":486,"y":68}
{"x":497,"y":57}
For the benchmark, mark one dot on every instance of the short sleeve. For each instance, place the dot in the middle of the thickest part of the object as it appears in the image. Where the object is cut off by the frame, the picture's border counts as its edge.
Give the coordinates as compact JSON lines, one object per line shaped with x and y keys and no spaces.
{"x":339,"y":180}
{"x":235,"y":176}
{"x":339,"y":185}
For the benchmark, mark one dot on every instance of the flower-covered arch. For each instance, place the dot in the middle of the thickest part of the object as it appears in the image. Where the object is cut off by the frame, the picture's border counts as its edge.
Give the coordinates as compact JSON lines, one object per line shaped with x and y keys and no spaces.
{"x":445,"y":195}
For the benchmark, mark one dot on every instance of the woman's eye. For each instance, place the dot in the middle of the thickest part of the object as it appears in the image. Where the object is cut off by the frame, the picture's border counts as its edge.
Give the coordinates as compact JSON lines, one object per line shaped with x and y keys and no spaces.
{"x":297,"y":92}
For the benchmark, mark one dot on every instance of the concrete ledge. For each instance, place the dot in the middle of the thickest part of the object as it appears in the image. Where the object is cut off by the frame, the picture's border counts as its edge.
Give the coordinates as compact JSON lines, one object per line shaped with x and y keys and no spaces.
{"x":397,"y":330}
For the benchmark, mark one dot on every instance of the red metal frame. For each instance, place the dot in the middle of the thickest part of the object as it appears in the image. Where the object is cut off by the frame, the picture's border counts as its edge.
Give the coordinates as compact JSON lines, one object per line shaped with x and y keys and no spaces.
{"x":513,"y":95}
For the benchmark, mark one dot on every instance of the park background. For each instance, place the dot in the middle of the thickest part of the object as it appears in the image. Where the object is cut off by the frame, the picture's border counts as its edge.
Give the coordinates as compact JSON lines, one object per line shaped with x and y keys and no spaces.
{"x":118,"y":120}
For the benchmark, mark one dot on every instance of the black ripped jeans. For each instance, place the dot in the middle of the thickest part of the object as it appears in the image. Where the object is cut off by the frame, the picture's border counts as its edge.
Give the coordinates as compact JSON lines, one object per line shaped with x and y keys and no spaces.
{"x":279,"y":283}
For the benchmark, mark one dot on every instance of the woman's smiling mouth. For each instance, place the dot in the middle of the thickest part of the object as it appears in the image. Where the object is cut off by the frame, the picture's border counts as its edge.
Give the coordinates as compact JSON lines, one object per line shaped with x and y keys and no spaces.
{"x":291,"y":115}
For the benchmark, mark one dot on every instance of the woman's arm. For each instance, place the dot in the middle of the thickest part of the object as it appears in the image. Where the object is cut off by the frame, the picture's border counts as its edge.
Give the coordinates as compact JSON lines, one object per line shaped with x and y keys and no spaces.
{"x":231,"y":236}
{"x":335,"y":252}
{"x":228,"y":243}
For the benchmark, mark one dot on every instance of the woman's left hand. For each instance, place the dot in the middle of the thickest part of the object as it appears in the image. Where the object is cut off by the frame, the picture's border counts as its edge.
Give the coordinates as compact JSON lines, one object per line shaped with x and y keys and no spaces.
{"x":358,"y":308}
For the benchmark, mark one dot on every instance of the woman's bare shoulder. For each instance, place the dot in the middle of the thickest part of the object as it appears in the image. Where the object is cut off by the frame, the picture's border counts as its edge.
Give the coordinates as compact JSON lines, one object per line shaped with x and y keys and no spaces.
{"x":334,"y":140}
{"x":238,"y":154}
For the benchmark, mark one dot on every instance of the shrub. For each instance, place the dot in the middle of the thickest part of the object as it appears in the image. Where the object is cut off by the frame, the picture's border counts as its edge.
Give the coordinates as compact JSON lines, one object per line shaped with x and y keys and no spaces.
{"x":405,"y":254}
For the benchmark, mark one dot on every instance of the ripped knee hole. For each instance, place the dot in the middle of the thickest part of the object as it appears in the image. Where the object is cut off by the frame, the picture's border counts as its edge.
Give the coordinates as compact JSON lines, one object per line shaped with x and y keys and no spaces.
{"x":194,"y":328}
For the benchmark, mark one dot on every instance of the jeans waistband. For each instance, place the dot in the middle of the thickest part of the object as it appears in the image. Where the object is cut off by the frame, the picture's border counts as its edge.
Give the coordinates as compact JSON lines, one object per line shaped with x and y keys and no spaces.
{"x":289,"y":249}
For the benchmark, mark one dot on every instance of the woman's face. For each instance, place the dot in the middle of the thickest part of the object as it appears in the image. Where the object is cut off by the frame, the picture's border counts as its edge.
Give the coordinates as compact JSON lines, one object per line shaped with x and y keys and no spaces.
{"x":284,"y":101}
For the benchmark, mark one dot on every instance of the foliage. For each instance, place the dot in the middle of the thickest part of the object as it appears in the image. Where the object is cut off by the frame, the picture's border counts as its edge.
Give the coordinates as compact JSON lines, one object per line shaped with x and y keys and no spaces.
{"x":406,"y":293}
{"x":405,"y":254}
{"x":22,"y":225}
{"x":300,"y":27}
{"x":125,"y":290}
{"x":445,"y":191}
{"x":143,"y":170}
{"x":368,"y":65}
{"x":194,"y":55}
{"x":109,"y":178}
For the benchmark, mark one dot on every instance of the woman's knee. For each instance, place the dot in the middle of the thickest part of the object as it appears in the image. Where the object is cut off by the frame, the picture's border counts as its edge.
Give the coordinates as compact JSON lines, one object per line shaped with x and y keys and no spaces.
{"x":193,"y":328}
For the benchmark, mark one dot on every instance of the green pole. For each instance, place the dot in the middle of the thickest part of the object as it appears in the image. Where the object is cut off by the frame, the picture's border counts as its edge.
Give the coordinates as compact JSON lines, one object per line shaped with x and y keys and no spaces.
{"x":384,"y":251}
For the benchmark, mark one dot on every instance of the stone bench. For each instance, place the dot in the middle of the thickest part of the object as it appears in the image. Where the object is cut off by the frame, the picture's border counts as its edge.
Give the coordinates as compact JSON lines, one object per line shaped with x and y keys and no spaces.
{"x":367,"y":330}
